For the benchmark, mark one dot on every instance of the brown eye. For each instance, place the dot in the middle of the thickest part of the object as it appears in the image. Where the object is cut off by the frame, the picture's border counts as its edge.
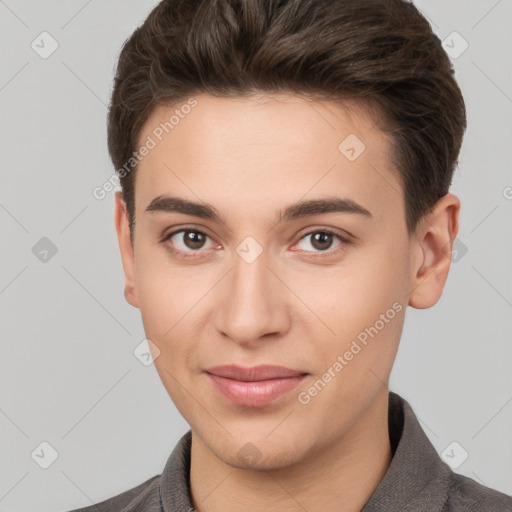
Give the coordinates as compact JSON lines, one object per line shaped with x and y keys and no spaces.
{"x":188,"y":242}
{"x":322,"y":241}
{"x":194,"y":239}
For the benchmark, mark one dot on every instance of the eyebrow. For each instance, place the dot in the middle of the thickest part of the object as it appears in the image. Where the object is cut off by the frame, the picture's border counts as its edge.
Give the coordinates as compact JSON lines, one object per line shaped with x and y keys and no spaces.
{"x":292,"y":212}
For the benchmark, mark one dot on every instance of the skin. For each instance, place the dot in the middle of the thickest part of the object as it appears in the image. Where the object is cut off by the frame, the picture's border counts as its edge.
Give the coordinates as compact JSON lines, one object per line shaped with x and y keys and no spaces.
{"x":298,"y":304}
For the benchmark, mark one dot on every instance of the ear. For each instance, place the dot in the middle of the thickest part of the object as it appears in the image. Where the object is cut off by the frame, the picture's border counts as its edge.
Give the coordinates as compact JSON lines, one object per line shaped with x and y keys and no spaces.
{"x":122,"y":223}
{"x":434,"y":243}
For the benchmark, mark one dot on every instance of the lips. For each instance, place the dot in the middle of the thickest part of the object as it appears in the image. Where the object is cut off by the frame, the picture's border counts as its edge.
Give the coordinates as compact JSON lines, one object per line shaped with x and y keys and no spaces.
{"x":256,"y":373}
{"x":256,"y":386}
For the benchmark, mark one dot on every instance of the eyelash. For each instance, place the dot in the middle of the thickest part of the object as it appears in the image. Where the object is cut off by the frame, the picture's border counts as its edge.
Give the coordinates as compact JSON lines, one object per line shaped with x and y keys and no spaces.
{"x":344,"y":241}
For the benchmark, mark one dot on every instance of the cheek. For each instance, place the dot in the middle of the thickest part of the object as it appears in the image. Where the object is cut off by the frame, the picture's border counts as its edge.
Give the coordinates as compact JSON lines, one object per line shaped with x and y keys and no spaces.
{"x":155,"y":303}
{"x":170,"y":302}
{"x":165,"y":291}
{"x":356,"y":289}
{"x":359,"y":300}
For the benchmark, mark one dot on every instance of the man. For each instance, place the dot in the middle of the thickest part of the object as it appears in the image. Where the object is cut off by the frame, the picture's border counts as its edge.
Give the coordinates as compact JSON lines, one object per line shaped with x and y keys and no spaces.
{"x":285,"y":171}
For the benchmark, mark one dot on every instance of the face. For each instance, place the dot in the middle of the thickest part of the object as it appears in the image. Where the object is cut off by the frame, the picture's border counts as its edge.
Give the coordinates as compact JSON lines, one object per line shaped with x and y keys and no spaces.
{"x":247,"y":277}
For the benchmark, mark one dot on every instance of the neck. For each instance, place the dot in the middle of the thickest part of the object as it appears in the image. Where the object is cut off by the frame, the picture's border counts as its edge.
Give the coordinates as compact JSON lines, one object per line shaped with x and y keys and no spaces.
{"x":342,"y":476}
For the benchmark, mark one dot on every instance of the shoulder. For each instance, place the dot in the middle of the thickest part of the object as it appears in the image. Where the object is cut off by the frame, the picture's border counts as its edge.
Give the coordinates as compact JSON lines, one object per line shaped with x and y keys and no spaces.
{"x":467,"y":495}
{"x":145,"y":497}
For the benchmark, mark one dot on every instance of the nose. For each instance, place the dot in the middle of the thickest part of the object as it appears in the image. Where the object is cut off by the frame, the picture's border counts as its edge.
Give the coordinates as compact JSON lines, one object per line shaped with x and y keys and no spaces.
{"x":252,"y":303}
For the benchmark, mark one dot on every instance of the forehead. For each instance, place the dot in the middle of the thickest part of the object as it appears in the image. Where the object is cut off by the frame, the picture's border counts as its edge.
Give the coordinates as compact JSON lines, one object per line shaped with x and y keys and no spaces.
{"x":282,"y":147}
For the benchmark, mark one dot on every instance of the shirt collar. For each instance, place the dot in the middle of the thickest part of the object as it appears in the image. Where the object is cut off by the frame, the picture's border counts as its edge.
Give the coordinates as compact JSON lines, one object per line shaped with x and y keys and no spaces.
{"x":417,"y":478}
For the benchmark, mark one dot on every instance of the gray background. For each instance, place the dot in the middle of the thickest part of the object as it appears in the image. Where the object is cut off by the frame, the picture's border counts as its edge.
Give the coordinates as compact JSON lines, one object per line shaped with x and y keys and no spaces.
{"x":68,"y":375}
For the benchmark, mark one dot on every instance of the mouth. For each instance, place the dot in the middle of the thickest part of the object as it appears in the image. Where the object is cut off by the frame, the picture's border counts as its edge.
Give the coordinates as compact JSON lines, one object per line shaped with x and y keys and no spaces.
{"x":256,"y":386}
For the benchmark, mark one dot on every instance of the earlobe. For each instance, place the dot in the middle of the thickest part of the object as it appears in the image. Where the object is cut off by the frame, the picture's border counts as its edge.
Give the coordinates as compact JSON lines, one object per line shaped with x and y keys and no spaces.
{"x":127,"y":250}
{"x":437,"y":232}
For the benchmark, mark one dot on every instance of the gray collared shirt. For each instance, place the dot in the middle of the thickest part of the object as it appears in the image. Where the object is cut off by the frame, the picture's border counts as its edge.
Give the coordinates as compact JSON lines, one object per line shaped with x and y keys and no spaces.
{"x":417,"y":479}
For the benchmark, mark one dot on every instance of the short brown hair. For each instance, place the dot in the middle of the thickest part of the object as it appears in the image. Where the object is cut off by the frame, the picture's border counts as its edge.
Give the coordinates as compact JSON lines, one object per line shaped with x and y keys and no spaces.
{"x":382,"y":53}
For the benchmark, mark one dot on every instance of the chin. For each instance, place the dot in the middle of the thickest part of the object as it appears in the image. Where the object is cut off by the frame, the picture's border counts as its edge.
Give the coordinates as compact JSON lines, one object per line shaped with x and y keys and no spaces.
{"x":260,"y":454}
